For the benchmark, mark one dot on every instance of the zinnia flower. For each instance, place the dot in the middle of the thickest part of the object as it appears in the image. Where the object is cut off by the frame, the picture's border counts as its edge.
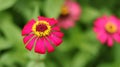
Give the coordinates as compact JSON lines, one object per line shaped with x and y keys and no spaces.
{"x":70,"y":12}
{"x":42,"y":34}
{"x":107,"y":29}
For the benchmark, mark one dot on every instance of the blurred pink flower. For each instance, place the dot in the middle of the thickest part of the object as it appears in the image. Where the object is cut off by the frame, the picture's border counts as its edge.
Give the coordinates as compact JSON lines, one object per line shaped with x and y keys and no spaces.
{"x":107,"y":29}
{"x":70,"y":12}
{"x":42,"y":34}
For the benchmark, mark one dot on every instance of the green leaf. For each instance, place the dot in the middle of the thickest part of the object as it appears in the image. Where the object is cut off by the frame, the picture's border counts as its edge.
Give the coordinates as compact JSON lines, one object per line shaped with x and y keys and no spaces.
{"x":31,"y":8}
{"x":12,"y":57}
{"x":7,"y":60}
{"x":89,"y":14}
{"x":86,"y":42}
{"x":12,"y":32}
{"x":105,"y":11}
{"x":4,"y":44}
{"x":35,"y":56}
{"x":107,"y":65}
{"x":52,"y":8}
{"x":5,"y":4}
{"x":116,"y":52}
{"x":35,"y":64}
{"x":81,"y":59}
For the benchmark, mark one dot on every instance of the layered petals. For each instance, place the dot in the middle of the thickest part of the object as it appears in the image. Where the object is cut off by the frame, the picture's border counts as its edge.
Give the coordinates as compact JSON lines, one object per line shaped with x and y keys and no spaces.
{"x":69,"y":15}
{"x":117,"y":37}
{"x":56,"y":28}
{"x":27,"y":38}
{"x":66,"y":23}
{"x":42,"y":35}
{"x":29,"y":46}
{"x":74,"y":9}
{"x":40,"y":47}
{"x":102,"y":37}
{"x":55,"y":40}
{"x":51,"y":21}
{"x":28,"y":27}
{"x":49,"y":46}
{"x":58,"y":34}
{"x":107,"y":29}
{"x":110,"y":41}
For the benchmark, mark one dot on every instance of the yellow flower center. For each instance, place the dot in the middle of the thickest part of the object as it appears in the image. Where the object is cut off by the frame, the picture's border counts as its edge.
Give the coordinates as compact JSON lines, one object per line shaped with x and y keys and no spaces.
{"x":64,"y":10}
{"x":111,"y":27}
{"x":41,"y":28}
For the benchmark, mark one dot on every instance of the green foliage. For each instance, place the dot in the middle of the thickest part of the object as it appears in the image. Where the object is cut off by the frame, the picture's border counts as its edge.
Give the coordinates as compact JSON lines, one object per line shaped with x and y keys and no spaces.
{"x":30,"y":8}
{"x":80,"y":48}
{"x":5,"y":4}
{"x":4,"y":44}
{"x":52,"y":7}
{"x":90,"y":14}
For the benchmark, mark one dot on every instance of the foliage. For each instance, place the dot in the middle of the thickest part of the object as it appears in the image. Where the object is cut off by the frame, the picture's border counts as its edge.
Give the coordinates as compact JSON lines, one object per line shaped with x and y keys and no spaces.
{"x":80,"y":47}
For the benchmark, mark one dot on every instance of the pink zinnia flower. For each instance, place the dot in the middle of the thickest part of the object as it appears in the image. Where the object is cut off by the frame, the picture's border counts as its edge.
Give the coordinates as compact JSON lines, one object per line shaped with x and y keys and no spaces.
{"x":107,"y":29}
{"x":42,"y":34}
{"x":70,"y":12}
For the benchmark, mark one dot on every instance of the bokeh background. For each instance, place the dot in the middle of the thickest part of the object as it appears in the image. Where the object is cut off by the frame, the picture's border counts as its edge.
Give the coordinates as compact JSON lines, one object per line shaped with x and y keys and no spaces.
{"x":80,"y":48}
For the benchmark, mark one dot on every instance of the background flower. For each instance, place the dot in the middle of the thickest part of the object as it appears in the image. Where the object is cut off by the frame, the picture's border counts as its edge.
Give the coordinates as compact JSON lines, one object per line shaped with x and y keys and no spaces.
{"x":70,"y":13}
{"x":107,"y":29}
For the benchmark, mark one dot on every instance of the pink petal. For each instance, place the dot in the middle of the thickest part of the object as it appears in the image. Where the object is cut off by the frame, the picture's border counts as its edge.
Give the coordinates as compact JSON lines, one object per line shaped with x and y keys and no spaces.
{"x":110,"y":42}
{"x":105,"y":17}
{"x":51,"y":21}
{"x":95,"y":29}
{"x":49,"y":47}
{"x":116,"y":36}
{"x":56,"y":28}
{"x":27,"y":38}
{"x":40,"y":46}
{"x":100,"y":22}
{"x":102,"y":37}
{"x":66,"y":23}
{"x":56,"y":41}
{"x":114,"y":19}
{"x":59,"y":34}
{"x":98,"y":30}
{"x":74,"y":9}
{"x":28,"y":27}
{"x":29,"y":46}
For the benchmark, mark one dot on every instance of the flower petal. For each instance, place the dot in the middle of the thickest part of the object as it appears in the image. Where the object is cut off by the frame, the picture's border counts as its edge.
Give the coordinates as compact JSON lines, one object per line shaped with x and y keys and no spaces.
{"x":114,"y":19}
{"x":98,"y":30}
{"x":66,"y":22}
{"x":59,"y":34}
{"x":110,"y":42}
{"x":27,"y":38}
{"x":74,"y":9}
{"x":49,"y":47}
{"x":29,"y":46}
{"x":116,"y":36}
{"x":51,"y":21}
{"x":56,"y":28}
{"x":56,"y":40}
{"x":40,"y":46}
{"x":100,"y":22}
{"x":102,"y":37}
{"x":28,"y":27}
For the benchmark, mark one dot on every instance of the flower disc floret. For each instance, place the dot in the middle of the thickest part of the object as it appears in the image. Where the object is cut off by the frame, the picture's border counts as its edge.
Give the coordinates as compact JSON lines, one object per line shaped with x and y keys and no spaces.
{"x":41,"y":28}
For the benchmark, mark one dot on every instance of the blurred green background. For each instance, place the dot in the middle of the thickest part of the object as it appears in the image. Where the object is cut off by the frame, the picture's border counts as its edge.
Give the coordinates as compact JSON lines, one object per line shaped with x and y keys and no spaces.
{"x":80,"y":48}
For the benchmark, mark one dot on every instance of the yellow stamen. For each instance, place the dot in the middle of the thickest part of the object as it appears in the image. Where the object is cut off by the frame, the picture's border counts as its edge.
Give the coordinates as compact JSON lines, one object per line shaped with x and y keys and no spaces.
{"x":64,"y":10}
{"x":111,"y":27}
{"x":40,"y":33}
